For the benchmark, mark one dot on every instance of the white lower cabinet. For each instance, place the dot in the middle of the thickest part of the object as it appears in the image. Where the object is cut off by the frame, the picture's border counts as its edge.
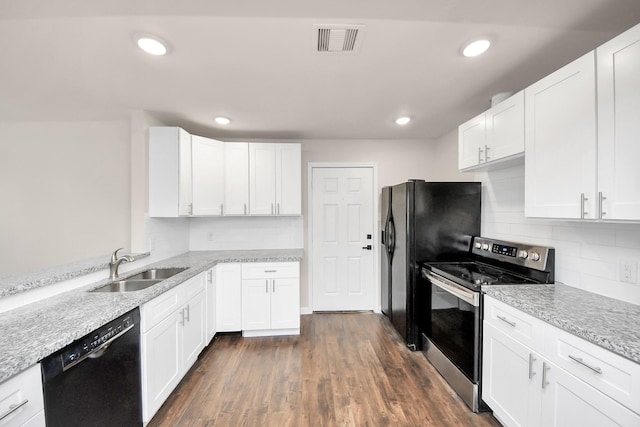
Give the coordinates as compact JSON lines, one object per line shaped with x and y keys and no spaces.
{"x":171,"y":342}
{"x":211,"y":310}
{"x":270,"y":299}
{"x":524,"y":387}
{"x":228,"y":297}
{"x":21,"y":400}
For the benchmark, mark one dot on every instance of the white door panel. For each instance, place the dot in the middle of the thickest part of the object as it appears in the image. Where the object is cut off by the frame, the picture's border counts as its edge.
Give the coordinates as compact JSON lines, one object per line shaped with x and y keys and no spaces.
{"x":342,"y":277}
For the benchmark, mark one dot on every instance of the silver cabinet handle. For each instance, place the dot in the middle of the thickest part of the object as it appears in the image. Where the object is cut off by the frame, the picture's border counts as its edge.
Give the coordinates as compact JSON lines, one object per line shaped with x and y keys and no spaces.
{"x":245,"y":209}
{"x":266,"y":286}
{"x":531,"y":360}
{"x":271,"y":271}
{"x":271,"y":208}
{"x":600,"y":205}
{"x":545,"y":368}
{"x":507,"y":321}
{"x":273,"y":286}
{"x":579,"y":360}
{"x":210,"y":276}
{"x":188,"y":317}
{"x":13,"y":408}
{"x":486,"y":153}
{"x":278,"y":208}
{"x":221,"y":208}
{"x":583,"y":209}
{"x":182,"y":317}
{"x":479,"y":155}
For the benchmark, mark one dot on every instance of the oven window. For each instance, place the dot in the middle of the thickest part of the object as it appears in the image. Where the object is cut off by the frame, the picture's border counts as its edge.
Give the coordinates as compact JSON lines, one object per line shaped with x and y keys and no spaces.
{"x":454,"y":324}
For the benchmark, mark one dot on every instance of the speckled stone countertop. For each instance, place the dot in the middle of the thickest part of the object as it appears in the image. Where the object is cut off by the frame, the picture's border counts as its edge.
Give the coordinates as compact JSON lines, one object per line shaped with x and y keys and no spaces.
{"x":16,"y":283}
{"x":604,"y":321}
{"x":34,"y":331}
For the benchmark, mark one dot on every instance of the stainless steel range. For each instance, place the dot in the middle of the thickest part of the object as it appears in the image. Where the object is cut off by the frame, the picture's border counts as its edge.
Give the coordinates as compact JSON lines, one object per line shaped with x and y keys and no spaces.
{"x":453,"y":339}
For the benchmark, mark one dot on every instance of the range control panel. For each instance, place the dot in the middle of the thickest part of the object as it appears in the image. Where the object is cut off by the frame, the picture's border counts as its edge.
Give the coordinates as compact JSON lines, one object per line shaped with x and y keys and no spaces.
{"x":526,"y":255}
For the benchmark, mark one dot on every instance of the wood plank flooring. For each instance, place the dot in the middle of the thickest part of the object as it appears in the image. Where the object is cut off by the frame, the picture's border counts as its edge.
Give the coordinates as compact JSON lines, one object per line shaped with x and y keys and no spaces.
{"x":345,"y":369}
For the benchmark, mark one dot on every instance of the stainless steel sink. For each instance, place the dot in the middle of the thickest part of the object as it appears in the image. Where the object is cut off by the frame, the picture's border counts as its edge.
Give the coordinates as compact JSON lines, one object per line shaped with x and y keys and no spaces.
{"x":140,"y":281}
{"x":157,"y":273}
{"x":127,"y":285}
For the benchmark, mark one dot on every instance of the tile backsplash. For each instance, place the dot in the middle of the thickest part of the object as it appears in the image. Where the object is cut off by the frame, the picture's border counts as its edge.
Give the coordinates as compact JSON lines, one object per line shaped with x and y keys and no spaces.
{"x":589,"y":255}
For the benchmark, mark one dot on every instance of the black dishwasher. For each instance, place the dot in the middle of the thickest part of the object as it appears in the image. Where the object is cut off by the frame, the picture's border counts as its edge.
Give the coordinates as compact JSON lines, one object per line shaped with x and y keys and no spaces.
{"x":95,"y":381}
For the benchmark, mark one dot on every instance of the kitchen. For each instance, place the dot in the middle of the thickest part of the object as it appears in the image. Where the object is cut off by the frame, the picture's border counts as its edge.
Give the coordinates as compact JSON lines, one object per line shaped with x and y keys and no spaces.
{"x":588,"y":254}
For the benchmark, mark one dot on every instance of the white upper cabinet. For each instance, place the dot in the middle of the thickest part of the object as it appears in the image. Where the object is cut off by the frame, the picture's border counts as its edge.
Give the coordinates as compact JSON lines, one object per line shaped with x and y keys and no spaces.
{"x":236,"y":178}
{"x":494,"y":136}
{"x":275,"y":179}
{"x":169,"y":172}
{"x":560,"y":143}
{"x":619,"y":127}
{"x":208,"y":176}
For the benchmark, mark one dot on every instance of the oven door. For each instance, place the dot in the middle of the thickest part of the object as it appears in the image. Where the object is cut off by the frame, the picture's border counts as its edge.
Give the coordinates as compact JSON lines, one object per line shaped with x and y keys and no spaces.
{"x":456,"y":318}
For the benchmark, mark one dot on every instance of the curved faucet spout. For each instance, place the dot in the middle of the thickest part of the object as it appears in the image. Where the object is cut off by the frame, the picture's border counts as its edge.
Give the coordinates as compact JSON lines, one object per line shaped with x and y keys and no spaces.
{"x":115,"y":262}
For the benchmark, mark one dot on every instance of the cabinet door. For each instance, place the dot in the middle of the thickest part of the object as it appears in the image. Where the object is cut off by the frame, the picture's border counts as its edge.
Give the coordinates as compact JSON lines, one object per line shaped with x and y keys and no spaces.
{"x":211,"y":305}
{"x":567,"y":401}
{"x":560,"y":143}
{"x":618,"y":126}
{"x":285,"y":303}
{"x":185,"y":176}
{"x":193,"y":332}
{"x":510,"y":378}
{"x":262,"y":179}
{"x":236,"y":194}
{"x":505,"y":129}
{"x":169,"y":172}
{"x":288,"y":179}
{"x":256,"y":304}
{"x":228,"y":297}
{"x":162,"y":363}
{"x":471,"y":141}
{"x":208,"y":176}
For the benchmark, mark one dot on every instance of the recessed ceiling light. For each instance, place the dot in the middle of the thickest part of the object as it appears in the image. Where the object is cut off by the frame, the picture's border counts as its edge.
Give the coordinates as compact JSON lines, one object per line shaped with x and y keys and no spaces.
{"x":403,"y":120}
{"x":222,"y":120}
{"x":151,"y":44}
{"x":476,"y":48}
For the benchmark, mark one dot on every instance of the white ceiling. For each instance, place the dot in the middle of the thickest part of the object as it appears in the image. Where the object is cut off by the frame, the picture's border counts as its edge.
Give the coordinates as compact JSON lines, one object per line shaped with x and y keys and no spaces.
{"x":254,"y":61}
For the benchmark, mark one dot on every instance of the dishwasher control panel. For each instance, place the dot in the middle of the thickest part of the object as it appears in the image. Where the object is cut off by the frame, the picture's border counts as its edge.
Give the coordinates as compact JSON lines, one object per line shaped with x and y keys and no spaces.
{"x":95,"y":341}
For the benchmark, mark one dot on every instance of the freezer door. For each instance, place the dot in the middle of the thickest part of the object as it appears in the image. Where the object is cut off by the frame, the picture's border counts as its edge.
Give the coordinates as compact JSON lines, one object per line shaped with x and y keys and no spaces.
{"x":399,"y":260}
{"x":386,"y":244}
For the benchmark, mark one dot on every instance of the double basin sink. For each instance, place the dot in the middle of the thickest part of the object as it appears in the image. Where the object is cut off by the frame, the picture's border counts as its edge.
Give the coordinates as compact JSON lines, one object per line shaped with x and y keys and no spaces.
{"x":140,"y":281}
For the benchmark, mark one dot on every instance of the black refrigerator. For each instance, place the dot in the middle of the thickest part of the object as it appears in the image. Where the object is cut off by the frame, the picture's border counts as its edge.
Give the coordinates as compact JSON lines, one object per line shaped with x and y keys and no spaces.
{"x":422,"y":222}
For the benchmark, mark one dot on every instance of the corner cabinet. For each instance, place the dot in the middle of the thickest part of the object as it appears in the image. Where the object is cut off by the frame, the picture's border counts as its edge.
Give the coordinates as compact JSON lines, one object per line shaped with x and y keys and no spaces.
{"x":494,"y":137}
{"x":274,"y":179}
{"x":618,"y":71}
{"x":170,"y":193}
{"x":537,"y":375}
{"x":228,"y":297}
{"x":270,"y":299}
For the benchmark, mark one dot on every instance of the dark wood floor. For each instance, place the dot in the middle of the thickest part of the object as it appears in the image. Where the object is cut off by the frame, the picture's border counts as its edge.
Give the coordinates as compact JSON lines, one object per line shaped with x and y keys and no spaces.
{"x":343,"y":370}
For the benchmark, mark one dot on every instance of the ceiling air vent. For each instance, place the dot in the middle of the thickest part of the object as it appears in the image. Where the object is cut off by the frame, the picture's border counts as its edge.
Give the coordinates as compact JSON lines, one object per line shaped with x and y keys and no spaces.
{"x":338,"y":38}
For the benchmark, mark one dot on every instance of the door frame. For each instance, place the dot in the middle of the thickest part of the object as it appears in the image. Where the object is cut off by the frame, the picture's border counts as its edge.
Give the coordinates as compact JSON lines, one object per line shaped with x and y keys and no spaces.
{"x":374,"y":242}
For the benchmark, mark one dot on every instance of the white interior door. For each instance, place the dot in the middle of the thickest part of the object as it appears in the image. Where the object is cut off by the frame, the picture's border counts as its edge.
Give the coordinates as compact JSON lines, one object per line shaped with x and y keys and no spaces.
{"x":342,"y":228}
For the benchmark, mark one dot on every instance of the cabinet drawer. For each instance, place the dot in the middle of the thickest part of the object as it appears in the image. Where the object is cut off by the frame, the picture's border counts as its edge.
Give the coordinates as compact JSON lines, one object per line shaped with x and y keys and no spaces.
{"x":610,"y":373}
{"x":270,"y":270}
{"x":154,"y":311}
{"x":21,"y":397}
{"x":518,"y":325}
{"x":191,"y":287}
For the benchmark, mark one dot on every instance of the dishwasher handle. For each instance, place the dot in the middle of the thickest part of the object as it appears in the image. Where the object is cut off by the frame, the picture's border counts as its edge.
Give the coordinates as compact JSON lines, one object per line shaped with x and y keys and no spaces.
{"x":99,"y":351}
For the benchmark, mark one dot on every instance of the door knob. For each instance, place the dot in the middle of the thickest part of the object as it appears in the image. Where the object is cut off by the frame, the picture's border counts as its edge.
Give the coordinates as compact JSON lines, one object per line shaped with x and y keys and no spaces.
{"x":368,"y":247}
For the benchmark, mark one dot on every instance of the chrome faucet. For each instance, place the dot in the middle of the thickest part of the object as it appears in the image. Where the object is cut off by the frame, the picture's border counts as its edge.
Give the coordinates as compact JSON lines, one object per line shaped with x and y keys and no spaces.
{"x":115,"y":263}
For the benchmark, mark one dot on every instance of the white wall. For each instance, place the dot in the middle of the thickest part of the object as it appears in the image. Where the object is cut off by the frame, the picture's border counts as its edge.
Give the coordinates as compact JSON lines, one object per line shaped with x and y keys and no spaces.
{"x":65,"y":192}
{"x":588,"y":255}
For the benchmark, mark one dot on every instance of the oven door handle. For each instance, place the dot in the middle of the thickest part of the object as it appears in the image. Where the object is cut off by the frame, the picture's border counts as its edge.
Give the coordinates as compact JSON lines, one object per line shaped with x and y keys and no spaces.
{"x":461,"y":292}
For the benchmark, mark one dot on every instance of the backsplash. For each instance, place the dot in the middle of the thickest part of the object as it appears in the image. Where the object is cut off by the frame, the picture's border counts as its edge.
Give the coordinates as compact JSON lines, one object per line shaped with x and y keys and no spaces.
{"x":588,"y":255}
{"x":229,"y":233}
{"x":167,"y":236}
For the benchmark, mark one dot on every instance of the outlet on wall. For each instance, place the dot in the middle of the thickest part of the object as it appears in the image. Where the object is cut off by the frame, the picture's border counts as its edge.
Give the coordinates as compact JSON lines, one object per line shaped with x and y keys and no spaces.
{"x":628,"y":271}
{"x":210,"y":236}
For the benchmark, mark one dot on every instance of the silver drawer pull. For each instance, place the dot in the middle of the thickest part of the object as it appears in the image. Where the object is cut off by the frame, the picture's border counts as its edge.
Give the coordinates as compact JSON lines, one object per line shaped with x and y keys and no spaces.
{"x":271,"y":271}
{"x":531,"y":360}
{"x":13,"y":408}
{"x":507,"y":321}
{"x":545,"y":368}
{"x":585,"y":364}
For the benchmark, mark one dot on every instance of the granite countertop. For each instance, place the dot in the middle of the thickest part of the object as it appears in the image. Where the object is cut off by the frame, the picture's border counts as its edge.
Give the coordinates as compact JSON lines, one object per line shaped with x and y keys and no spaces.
{"x":34,"y":331}
{"x":604,"y":321}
